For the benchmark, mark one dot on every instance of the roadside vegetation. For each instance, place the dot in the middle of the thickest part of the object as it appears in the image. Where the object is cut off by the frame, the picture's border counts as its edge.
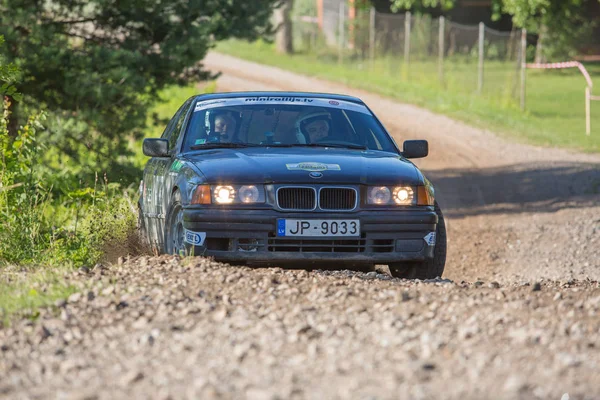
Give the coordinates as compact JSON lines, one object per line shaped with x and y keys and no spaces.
{"x":46,"y":233}
{"x":73,"y":112}
{"x":53,"y":219}
{"x":555,"y":114}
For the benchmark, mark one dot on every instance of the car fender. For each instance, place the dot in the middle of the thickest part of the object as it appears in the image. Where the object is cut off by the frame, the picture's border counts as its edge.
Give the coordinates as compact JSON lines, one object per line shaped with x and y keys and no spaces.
{"x":188,"y":177}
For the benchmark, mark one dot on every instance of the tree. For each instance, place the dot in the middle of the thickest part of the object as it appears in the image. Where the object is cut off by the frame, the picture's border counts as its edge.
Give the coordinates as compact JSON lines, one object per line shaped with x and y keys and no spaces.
{"x":283,"y":22}
{"x":560,"y":24}
{"x":398,"y":5}
{"x":97,"y":65}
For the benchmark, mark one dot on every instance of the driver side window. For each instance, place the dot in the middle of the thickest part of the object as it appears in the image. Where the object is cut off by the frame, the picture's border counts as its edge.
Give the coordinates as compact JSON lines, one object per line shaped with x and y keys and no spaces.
{"x":173,"y":128}
{"x":178,"y":125}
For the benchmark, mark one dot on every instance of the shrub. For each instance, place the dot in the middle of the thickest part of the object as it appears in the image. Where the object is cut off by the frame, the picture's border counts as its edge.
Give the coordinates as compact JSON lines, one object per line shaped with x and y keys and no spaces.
{"x":95,"y":223}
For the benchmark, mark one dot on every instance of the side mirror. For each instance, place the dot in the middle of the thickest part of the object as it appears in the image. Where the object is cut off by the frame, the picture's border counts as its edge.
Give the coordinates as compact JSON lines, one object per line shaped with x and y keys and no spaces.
{"x":415,"y":148}
{"x":156,"y":147}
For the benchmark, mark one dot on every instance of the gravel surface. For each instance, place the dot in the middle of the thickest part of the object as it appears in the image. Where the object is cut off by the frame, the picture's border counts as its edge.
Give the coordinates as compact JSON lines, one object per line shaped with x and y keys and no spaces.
{"x":165,"y":327}
{"x":517,"y":315}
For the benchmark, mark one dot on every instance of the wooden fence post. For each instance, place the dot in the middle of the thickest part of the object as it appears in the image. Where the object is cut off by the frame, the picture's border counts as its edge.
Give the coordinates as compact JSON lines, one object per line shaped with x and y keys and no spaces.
{"x":372,"y":34}
{"x":342,"y":31}
{"x":523,"y":66}
{"x":406,"y":42}
{"x":481,"y":55}
{"x":441,"y":48}
{"x":588,"y":117}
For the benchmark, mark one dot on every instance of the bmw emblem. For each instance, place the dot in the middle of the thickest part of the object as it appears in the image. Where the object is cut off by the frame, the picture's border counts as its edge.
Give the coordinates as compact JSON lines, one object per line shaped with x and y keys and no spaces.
{"x":315,"y":175}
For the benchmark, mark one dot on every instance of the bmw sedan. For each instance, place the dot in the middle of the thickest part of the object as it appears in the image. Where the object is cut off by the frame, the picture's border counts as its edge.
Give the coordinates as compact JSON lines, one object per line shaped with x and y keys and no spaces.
{"x":287,"y":178}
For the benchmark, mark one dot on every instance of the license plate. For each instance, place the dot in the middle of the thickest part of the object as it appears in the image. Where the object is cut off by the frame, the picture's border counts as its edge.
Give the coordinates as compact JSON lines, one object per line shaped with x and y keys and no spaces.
{"x":318,"y":227}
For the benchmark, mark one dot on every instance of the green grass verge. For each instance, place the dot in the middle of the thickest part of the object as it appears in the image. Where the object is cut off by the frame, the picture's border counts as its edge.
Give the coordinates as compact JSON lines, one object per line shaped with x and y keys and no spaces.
{"x":24,"y":290}
{"x":555,"y":114}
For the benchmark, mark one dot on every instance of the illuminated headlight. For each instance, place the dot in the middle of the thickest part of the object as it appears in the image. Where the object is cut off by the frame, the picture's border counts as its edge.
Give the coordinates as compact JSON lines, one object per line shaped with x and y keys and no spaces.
{"x":404,"y":195}
{"x":249,"y":194}
{"x":236,"y":194}
{"x":379,"y":195}
{"x":224,"y":194}
{"x":397,"y":195}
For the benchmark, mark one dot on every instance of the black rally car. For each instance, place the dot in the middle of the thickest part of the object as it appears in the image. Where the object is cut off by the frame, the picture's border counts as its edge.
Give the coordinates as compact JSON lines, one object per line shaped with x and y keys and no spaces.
{"x":285,"y":178}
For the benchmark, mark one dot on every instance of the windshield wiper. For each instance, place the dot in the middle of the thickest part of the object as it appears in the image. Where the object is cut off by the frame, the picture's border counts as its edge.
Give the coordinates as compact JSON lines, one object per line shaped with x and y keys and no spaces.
{"x":333,"y":145}
{"x":225,"y":145}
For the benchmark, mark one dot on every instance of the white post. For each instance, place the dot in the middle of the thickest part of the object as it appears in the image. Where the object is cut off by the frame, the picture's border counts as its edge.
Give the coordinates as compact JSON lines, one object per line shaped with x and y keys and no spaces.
{"x":441,"y":48}
{"x":480,"y":69}
{"x":372,"y":34}
{"x":523,"y":66}
{"x":341,"y":30}
{"x":588,"y":118}
{"x":406,"y":40}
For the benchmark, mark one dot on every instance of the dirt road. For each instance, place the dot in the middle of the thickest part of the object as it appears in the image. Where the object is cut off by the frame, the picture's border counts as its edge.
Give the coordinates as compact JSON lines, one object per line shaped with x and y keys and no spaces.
{"x":519,"y":316}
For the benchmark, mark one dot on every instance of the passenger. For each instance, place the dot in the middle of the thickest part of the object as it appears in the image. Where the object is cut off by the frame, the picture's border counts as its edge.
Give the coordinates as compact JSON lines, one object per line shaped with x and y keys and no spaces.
{"x":313,"y":126}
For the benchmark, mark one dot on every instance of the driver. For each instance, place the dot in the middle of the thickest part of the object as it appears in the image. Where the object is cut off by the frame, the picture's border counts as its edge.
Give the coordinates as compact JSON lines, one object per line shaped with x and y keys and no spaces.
{"x":314,"y":126}
{"x":225,"y":127}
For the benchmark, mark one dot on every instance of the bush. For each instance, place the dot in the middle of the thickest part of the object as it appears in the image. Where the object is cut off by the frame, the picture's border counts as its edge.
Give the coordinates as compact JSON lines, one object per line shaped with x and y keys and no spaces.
{"x":96,"y":223}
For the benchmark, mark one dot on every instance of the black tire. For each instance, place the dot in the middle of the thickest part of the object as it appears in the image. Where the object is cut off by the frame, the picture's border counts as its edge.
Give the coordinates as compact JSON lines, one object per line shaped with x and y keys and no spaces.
{"x":174,"y":235}
{"x":432,"y":267}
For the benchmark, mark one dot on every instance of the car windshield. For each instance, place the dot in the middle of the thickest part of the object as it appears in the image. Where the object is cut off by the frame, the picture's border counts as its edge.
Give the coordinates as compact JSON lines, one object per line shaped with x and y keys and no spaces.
{"x":284,"y":122}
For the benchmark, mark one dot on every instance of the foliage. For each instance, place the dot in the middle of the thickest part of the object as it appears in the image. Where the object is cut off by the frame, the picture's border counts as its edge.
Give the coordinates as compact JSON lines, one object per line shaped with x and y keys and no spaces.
{"x":564,"y":23}
{"x":28,"y":233}
{"x":305,"y":8}
{"x":21,"y":194}
{"x":398,"y":5}
{"x":83,"y":226}
{"x":96,"y":66}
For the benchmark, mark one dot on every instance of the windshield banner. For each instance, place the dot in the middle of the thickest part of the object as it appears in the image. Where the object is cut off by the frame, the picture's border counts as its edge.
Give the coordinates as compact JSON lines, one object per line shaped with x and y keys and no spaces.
{"x":282,"y":100}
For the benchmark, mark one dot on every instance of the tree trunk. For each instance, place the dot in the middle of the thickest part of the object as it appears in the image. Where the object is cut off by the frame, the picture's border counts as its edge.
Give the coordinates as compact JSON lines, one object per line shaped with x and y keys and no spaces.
{"x":13,"y":122}
{"x":539,"y":47}
{"x":283,"y":22}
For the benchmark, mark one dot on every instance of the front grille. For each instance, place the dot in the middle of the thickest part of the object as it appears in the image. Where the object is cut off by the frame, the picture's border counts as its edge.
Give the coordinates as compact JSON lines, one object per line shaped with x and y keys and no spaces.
{"x":296,"y":198}
{"x":337,"y":199}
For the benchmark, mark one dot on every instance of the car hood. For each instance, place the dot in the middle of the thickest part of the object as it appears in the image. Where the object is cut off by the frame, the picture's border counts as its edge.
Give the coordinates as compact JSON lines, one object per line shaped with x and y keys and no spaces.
{"x":306,"y":165}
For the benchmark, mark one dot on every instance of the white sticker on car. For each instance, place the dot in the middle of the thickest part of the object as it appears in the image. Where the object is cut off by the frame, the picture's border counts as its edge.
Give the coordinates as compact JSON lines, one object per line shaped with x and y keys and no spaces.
{"x":430,"y":239}
{"x":195,"y":238}
{"x":273,"y":100}
{"x":312,"y":167}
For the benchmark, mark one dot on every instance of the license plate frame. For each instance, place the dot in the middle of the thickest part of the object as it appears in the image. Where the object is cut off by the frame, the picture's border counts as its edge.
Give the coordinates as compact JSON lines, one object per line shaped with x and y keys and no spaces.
{"x":318,"y":228}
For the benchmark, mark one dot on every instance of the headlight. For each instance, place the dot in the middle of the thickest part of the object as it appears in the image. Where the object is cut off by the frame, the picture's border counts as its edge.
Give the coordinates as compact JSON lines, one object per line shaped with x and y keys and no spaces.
{"x":397,"y":195}
{"x":379,"y":195}
{"x":404,"y":195}
{"x":249,"y":194}
{"x":224,"y":194}
{"x":236,"y":194}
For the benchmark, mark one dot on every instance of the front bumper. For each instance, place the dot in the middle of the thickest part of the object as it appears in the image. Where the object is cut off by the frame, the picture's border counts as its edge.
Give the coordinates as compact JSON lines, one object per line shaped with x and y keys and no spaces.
{"x":249,"y":236}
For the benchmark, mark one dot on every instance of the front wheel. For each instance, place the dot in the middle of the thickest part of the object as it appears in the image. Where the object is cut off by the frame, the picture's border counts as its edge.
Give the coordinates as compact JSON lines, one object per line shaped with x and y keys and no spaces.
{"x":174,"y":232}
{"x":432,"y":267}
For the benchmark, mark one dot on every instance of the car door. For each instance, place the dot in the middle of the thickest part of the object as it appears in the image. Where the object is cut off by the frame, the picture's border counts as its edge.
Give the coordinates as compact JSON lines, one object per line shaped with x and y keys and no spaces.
{"x":163,"y":182}
{"x":151,"y":192}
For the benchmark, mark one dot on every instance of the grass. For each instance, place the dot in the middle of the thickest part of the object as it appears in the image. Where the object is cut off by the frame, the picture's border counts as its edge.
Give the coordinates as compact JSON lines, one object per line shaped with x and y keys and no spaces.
{"x":23,"y":290}
{"x":554,"y":116}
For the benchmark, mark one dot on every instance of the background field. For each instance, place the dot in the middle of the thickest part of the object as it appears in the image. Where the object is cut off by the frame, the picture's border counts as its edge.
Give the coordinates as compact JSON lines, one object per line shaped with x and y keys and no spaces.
{"x":554,"y":116}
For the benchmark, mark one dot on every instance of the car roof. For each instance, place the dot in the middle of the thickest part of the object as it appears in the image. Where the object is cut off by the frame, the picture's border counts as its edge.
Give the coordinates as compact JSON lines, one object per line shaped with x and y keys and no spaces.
{"x":229,"y":95}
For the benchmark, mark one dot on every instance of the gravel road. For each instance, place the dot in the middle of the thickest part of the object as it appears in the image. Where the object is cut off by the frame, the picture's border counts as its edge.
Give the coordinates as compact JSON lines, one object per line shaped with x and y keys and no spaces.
{"x":517,"y":315}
